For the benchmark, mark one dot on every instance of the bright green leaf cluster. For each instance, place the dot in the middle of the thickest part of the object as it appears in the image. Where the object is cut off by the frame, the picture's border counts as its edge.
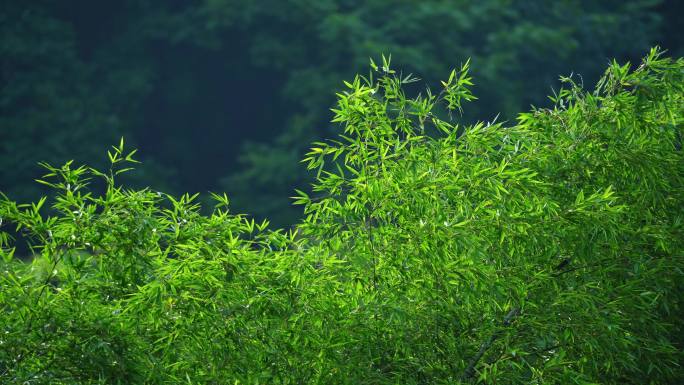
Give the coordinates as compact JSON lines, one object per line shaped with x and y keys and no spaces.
{"x":546,"y":251}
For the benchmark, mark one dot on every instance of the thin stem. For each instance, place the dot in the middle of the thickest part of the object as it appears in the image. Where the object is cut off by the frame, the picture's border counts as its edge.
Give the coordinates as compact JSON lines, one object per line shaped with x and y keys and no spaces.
{"x":470,"y":369}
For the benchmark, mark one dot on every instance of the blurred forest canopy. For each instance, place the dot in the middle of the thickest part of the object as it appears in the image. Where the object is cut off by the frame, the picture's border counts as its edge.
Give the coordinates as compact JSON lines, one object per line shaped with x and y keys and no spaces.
{"x":225,"y":95}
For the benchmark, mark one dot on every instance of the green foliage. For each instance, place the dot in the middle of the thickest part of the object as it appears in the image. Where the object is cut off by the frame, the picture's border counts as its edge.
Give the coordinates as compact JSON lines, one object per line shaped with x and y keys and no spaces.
{"x":547,"y":251}
{"x":517,"y":49}
{"x":227,"y":94}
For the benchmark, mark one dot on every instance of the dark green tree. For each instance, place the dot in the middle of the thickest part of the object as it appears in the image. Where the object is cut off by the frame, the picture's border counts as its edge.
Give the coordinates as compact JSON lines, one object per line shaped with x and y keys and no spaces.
{"x":47,"y":108}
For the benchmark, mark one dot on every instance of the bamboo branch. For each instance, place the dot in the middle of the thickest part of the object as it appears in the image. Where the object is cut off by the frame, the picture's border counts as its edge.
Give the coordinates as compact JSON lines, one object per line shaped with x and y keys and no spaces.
{"x":470,"y":369}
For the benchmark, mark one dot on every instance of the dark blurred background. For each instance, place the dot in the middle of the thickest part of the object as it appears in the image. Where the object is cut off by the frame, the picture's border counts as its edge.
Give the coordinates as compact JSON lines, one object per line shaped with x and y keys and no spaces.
{"x":226,"y":95}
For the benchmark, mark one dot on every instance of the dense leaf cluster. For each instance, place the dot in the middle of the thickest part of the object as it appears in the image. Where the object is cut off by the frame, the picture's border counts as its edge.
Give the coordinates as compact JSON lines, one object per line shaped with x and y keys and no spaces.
{"x":546,"y":251}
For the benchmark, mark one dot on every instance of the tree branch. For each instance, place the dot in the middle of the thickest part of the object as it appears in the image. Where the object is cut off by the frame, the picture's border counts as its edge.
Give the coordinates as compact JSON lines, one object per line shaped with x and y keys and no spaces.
{"x":470,"y":369}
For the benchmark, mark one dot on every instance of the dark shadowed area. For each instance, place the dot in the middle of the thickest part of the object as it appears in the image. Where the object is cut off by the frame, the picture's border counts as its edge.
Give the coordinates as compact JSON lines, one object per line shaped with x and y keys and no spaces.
{"x":227,"y":95}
